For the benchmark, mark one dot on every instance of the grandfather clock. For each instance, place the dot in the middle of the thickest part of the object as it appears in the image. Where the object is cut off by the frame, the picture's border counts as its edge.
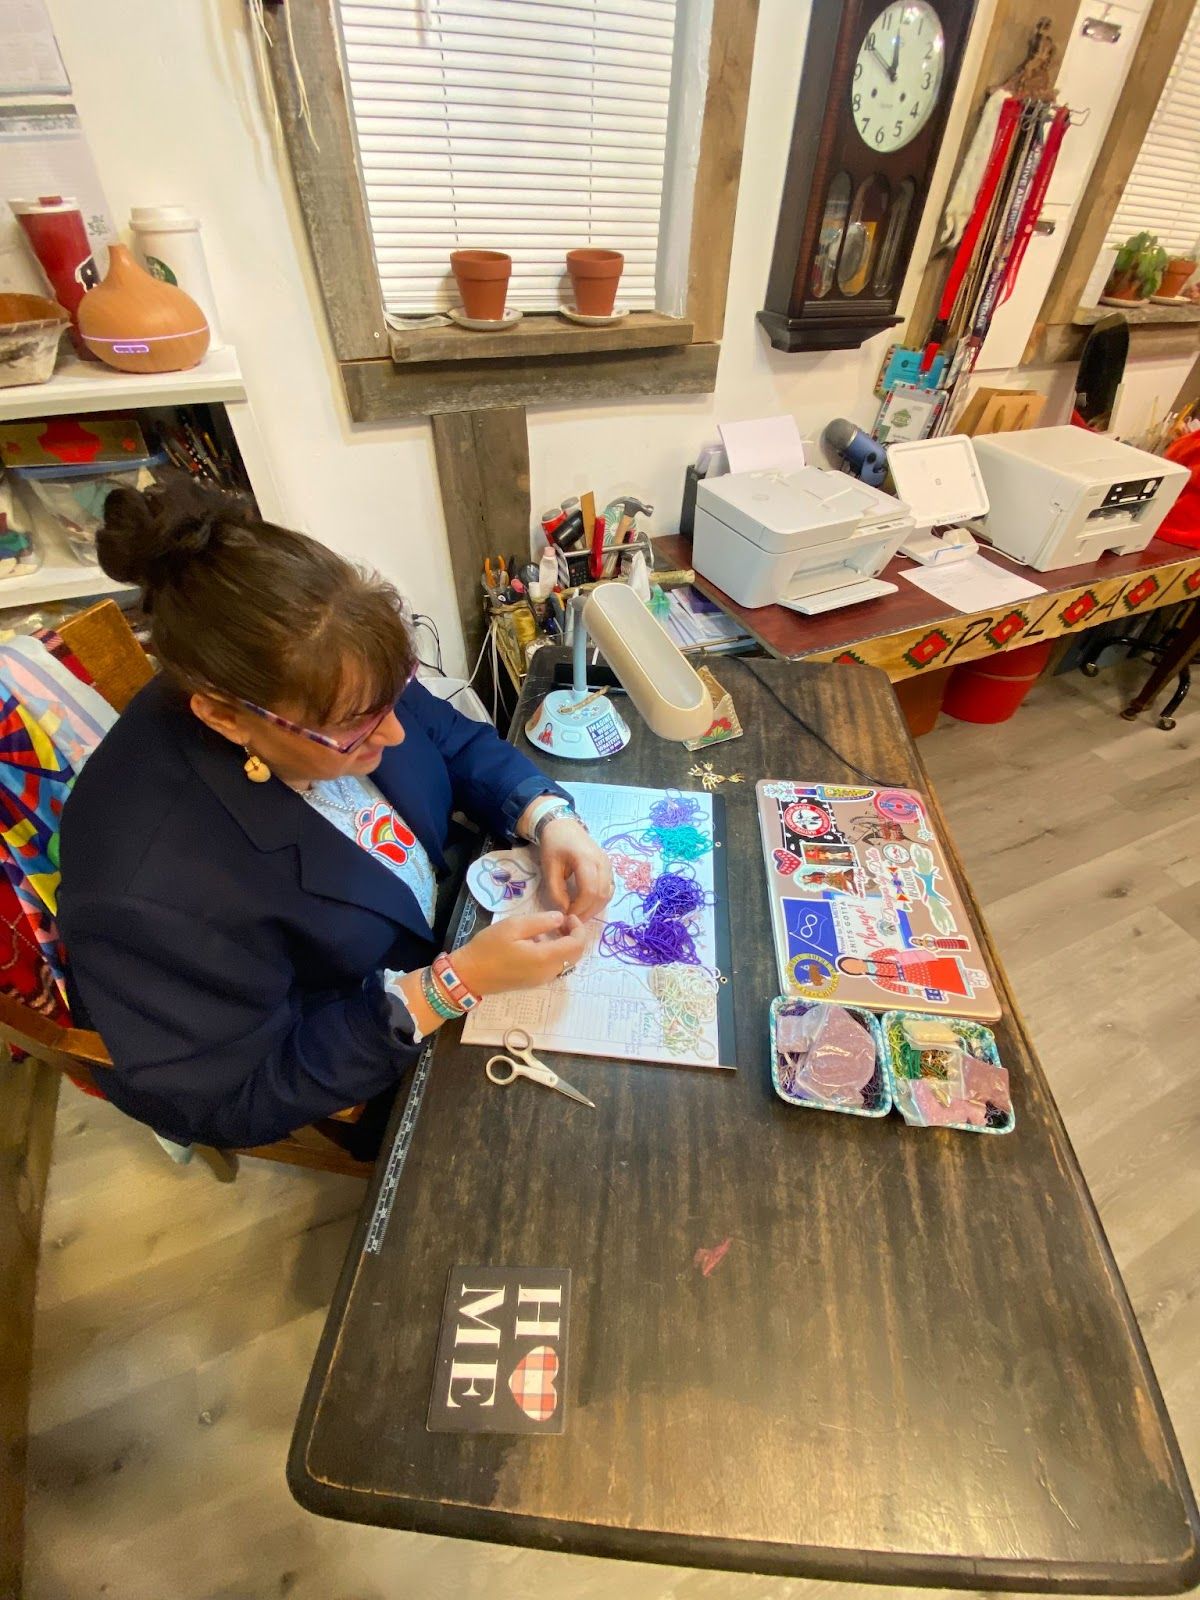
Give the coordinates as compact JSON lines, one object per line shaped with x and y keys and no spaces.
{"x":874,"y":94}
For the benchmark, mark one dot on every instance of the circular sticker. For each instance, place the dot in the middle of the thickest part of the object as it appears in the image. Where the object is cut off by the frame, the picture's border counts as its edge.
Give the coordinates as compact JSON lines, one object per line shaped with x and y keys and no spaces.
{"x":896,"y":855}
{"x":896,"y":806}
{"x":808,"y":819}
{"x":813,"y":977}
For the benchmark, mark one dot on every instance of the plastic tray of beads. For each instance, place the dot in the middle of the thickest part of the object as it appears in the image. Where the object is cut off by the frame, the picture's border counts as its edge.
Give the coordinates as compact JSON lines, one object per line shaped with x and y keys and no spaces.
{"x":875,"y":1095}
{"x":928,"y":1086}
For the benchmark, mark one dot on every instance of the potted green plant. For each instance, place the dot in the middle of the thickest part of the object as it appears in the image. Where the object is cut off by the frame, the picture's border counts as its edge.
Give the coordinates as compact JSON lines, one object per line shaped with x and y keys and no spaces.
{"x":1138,"y":269}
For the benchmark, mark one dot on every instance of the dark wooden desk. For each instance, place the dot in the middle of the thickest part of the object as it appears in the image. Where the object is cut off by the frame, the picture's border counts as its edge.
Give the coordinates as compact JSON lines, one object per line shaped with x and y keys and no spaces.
{"x":909,"y":632}
{"x":915,"y":1364}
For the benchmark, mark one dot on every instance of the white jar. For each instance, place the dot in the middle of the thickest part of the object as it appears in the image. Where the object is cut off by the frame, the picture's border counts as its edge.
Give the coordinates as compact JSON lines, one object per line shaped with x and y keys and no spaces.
{"x":168,"y":240}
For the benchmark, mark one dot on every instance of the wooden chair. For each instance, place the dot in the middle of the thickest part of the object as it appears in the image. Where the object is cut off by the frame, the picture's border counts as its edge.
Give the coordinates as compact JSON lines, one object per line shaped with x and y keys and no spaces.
{"x":103,"y":641}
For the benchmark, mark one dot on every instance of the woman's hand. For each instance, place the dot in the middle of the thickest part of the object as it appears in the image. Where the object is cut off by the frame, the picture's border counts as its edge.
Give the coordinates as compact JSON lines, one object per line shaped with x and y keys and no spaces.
{"x":576,"y":872}
{"x":521,"y":952}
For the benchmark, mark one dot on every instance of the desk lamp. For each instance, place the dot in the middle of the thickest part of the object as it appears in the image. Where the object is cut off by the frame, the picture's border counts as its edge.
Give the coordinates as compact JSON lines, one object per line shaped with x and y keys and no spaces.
{"x":582,"y":725}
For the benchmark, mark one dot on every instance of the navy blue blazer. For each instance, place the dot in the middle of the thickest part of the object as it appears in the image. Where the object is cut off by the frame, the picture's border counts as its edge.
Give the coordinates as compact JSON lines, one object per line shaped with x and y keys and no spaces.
{"x":225,"y":939}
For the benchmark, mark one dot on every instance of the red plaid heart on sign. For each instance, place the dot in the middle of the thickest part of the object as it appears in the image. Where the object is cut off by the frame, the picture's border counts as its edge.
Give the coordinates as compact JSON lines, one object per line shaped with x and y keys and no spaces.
{"x":787,"y":863}
{"x":532,"y":1383}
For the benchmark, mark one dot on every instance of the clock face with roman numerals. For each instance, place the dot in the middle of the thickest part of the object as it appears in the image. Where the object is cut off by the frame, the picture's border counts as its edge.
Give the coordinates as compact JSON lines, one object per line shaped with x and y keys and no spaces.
{"x":898,"y":74}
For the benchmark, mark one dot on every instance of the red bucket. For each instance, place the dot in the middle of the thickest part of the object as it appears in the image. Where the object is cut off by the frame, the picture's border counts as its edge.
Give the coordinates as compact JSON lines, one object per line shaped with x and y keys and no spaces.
{"x":991,"y":690}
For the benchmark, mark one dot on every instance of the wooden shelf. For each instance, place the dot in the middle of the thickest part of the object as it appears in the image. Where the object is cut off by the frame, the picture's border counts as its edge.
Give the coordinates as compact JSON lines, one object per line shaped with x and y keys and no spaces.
{"x":86,"y":386}
{"x":542,"y":335}
{"x":1143,"y":316}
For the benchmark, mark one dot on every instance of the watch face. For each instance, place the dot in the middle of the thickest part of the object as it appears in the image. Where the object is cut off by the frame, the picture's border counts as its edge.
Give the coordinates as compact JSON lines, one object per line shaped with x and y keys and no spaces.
{"x":898,"y":74}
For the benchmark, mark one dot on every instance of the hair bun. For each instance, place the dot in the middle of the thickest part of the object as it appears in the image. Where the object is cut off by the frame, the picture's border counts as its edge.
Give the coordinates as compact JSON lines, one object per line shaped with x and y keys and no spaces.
{"x":149,"y":539}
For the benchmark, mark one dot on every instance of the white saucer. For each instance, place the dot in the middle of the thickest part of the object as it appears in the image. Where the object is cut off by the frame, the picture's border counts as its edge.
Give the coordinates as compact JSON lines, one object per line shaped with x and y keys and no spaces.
{"x":570,"y":313}
{"x":1173,"y":300}
{"x":1107,"y":300}
{"x":485,"y":324}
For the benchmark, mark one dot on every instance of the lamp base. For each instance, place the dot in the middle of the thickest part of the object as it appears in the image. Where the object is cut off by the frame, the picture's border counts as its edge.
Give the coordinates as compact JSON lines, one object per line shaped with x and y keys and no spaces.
{"x":578,"y":728}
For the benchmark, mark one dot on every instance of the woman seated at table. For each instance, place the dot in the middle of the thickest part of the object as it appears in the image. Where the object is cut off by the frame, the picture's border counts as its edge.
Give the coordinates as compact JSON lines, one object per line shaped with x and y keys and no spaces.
{"x":251,"y":858}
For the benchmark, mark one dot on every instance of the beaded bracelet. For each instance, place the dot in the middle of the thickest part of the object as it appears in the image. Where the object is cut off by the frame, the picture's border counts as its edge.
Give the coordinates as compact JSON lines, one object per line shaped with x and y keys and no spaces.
{"x":434,"y":1000}
{"x":451,"y":985}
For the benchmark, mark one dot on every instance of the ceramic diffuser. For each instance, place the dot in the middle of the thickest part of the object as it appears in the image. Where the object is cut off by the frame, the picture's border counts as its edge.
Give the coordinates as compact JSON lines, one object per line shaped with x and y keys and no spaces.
{"x":138,"y":323}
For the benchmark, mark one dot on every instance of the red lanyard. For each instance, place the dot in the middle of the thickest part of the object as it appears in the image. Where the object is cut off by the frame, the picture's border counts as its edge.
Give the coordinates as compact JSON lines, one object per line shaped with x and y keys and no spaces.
{"x":1037,"y":195}
{"x":1006,"y":128}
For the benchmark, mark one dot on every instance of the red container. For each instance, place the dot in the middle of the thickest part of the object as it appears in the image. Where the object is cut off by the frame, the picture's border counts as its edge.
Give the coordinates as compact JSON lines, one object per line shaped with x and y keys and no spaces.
{"x":58,"y":238}
{"x":991,"y":690}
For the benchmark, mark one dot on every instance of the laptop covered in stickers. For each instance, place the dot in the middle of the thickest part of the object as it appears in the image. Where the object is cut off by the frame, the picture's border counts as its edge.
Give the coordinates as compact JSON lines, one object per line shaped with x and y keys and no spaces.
{"x":864,"y":909}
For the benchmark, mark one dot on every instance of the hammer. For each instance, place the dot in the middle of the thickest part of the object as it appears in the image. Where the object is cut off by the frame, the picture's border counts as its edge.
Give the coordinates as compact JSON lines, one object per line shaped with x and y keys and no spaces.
{"x":629,"y":510}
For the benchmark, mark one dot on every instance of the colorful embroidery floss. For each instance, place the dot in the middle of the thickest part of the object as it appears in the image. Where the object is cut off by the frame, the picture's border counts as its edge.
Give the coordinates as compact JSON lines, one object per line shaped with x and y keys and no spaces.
{"x":664,"y":936}
{"x":688,"y":997}
{"x":681,"y":842}
{"x":654,"y":943}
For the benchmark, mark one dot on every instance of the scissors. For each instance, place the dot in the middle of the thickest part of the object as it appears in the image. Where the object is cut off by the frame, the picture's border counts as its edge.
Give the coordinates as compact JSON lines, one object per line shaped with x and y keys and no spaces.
{"x":521,"y":1044}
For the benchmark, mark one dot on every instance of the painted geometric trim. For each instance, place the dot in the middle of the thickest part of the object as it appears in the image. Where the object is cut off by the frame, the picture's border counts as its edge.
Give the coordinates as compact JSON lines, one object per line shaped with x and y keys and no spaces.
{"x":1082,"y":606}
{"x":934,"y":644}
{"x":1140,"y":592}
{"x":1001,"y":632}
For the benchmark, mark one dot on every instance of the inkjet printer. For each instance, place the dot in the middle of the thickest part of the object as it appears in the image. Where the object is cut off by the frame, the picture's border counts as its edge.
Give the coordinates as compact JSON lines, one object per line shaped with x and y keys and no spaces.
{"x":804,"y":538}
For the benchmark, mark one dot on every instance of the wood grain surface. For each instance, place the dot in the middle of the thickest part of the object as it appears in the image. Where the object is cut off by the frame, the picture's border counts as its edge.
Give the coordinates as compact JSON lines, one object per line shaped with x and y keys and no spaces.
{"x":28,"y":1097}
{"x":379,"y":390}
{"x":328,"y":180}
{"x":916,"y":1362}
{"x":483,"y":476}
{"x":890,"y":632}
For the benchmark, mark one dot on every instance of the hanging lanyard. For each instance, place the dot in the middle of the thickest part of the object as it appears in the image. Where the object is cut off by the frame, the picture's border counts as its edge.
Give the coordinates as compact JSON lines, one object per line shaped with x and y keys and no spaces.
{"x":1059,"y":123}
{"x":1006,"y":128}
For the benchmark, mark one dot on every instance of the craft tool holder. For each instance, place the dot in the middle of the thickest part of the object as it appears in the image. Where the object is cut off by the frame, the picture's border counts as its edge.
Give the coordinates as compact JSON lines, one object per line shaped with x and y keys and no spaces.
{"x":502,"y":615}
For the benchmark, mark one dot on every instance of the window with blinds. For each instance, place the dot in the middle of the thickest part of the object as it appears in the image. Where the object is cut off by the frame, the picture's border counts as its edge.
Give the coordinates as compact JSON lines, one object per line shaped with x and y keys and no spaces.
{"x":1163,"y":192}
{"x":529,"y":126}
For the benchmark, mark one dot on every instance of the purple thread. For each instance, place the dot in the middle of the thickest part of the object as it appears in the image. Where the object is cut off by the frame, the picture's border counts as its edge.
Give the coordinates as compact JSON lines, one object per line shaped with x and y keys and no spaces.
{"x":664,"y":936}
{"x":676,"y":811}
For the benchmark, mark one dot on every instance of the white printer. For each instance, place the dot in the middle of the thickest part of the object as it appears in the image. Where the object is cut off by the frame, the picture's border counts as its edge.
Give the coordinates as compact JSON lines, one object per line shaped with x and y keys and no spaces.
{"x":804,"y":538}
{"x":1059,"y":497}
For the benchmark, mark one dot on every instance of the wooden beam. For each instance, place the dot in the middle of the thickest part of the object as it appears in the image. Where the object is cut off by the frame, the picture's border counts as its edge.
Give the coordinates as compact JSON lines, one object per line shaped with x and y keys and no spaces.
{"x":1055,"y":342}
{"x":28,"y":1099}
{"x":718,"y":171}
{"x":325,"y":166}
{"x":1007,"y":46}
{"x":545,"y":334}
{"x":483,"y":471}
{"x":1165,"y":25}
{"x":379,"y":390}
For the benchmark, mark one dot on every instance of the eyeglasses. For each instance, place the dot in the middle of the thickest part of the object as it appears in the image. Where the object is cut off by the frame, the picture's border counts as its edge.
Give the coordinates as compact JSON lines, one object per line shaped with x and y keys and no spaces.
{"x":363,"y":729}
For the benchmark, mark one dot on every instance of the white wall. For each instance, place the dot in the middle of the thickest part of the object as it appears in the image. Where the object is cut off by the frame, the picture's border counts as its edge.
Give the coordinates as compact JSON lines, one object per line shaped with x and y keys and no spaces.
{"x":169,"y":100}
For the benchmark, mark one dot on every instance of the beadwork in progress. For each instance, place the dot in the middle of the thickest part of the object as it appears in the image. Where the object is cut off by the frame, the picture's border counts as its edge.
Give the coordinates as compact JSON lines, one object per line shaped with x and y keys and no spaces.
{"x":649,"y":986}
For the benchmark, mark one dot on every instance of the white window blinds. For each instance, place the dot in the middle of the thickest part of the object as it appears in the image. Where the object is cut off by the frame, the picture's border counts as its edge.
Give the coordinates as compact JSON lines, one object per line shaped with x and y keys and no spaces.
{"x":1163,"y":192}
{"x":530,"y":126}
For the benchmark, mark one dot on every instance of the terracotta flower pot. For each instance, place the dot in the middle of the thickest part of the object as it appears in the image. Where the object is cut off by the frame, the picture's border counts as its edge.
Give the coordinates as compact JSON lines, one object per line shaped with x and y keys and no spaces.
{"x":482,"y":278}
{"x":1179,"y":270}
{"x":1124,"y":286}
{"x":138,"y":323}
{"x":594,"y":278}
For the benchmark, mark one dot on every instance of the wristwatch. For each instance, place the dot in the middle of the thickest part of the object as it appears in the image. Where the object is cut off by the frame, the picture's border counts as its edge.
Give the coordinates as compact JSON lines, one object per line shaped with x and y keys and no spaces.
{"x":551,"y":809}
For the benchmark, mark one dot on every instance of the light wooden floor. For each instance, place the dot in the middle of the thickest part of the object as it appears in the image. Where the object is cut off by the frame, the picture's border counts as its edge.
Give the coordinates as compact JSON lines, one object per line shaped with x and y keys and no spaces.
{"x":177,"y":1319}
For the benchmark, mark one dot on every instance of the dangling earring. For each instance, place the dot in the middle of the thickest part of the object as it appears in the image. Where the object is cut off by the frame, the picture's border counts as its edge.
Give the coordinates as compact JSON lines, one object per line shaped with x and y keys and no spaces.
{"x":255,"y":768}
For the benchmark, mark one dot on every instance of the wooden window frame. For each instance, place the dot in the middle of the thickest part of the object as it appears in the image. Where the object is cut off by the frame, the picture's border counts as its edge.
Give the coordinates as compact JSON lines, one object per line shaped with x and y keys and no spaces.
{"x":423,"y":372}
